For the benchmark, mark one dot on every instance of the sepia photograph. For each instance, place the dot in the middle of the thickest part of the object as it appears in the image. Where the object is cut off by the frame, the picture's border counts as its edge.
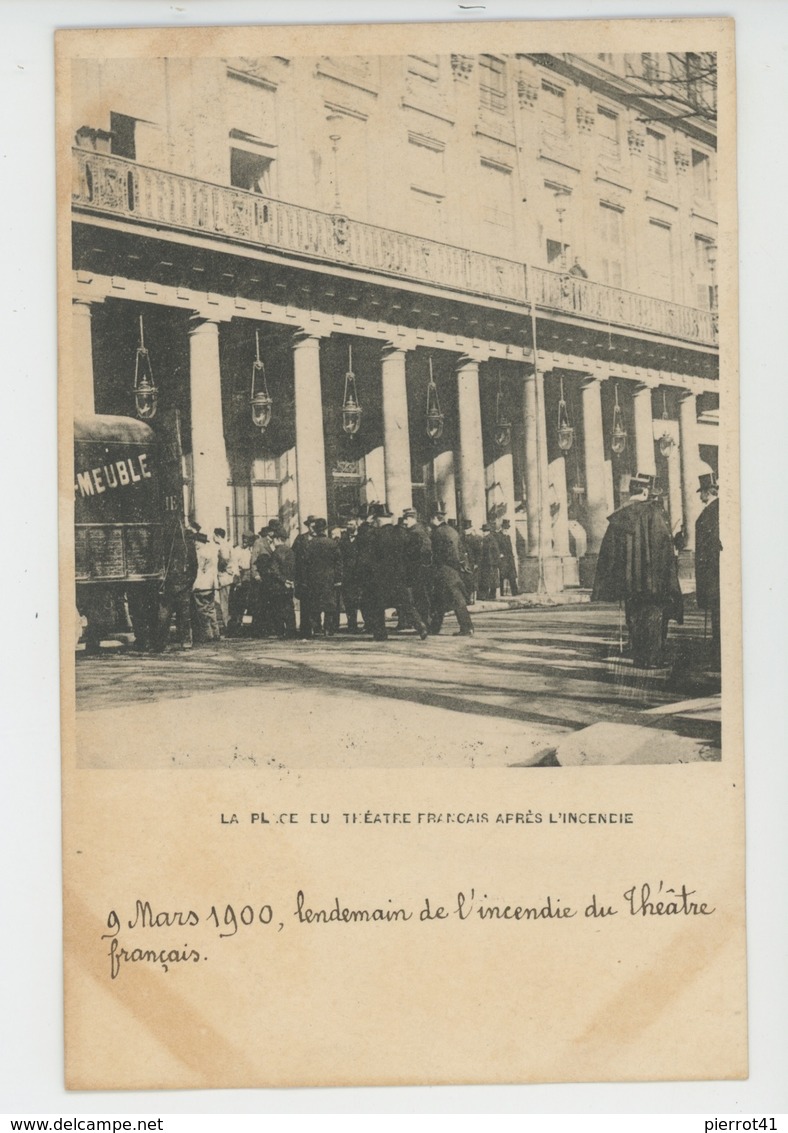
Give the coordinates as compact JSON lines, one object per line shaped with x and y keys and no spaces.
{"x":399,"y":555}
{"x":396,"y":391}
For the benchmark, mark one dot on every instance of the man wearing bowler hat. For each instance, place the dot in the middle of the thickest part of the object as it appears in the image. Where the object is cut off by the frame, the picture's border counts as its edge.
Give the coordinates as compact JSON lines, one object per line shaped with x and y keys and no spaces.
{"x":637,"y":564}
{"x":707,"y":555}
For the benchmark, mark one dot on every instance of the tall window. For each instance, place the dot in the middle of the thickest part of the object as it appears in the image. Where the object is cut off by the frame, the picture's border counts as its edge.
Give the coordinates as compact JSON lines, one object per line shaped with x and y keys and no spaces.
{"x":704,"y":274}
{"x":250,"y":170}
{"x":659,"y":266}
{"x":701,"y":179}
{"x":554,"y":109}
{"x":136,"y":139}
{"x":427,"y":184}
{"x":611,"y":242}
{"x":496,"y":200}
{"x":608,"y":125}
{"x":492,"y":83}
{"x":657,"y":155}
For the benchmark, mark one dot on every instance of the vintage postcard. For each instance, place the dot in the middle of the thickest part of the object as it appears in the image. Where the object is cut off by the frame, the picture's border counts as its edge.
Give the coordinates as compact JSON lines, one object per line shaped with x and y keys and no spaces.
{"x":400,"y":593}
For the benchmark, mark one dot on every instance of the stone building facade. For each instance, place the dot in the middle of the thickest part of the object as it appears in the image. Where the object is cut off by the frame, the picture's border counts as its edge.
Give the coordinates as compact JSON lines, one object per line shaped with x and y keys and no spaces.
{"x":513,"y":256}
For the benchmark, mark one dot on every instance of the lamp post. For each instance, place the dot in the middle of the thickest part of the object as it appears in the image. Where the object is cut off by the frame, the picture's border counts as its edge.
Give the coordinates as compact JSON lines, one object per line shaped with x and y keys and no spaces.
{"x":335,"y":139}
{"x":711,"y":259}
{"x":560,"y":208}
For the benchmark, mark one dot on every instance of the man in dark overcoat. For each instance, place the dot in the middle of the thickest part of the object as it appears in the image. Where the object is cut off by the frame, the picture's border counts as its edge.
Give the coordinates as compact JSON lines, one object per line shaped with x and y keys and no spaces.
{"x":349,"y":546}
{"x":264,"y":582}
{"x":322,"y":576}
{"x":707,"y":555}
{"x":508,"y":563}
{"x":448,"y":566}
{"x":300,"y":544}
{"x":489,"y":576}
{"x":275,"y":569}
{"x":418,"y":563}
{"x":472,"y":543}
{"x":387,"y":580}
{"x":637,"y":565}
{"x":175,"y":594}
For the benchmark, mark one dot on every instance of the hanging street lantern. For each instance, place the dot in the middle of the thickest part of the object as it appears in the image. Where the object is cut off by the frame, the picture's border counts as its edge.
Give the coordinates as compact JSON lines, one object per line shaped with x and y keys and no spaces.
{"x":261,"y":402}
{"x":434,"y":415}
{"x":146,"y":396}
{"x":618,"y":438}
{"x":666,"y":441}
{"x":503,"y":425}
{"x":566,"y":433}
{"x":351,"y":409}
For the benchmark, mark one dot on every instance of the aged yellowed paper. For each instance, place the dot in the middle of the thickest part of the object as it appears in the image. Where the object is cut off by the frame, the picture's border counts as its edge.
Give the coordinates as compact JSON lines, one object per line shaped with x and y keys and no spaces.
{"x":369,"y":335}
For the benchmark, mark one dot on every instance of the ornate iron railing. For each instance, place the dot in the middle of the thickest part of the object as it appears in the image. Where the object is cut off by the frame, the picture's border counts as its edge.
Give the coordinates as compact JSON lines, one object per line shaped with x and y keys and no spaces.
{"x":109,"y":184}
{"x":615,"y":307}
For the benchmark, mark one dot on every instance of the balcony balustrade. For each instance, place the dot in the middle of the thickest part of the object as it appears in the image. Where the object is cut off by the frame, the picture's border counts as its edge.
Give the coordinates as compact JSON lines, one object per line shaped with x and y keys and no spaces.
{"x":112,"y":185}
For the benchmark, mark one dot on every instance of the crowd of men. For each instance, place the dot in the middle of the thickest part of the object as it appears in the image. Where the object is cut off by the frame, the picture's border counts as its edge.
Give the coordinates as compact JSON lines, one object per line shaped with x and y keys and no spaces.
{"x":265,"y":587}
{"x":372,"y":564}
{"x":638,"y":567}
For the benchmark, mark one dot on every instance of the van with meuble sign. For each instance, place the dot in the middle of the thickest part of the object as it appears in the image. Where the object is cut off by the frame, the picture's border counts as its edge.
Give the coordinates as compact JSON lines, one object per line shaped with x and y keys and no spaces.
{"x":119,"y":524}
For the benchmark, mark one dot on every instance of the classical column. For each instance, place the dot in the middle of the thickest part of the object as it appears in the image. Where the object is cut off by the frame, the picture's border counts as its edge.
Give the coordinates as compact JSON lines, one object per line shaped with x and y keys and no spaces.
{"x":211,"y":474}
{"x":396,"y":437}
{"x":594,"y":463}
{"x":542,"y":569}
{"x":310,"y":446}
{"x":645,"y":459}
{"x":82,"y":358}
{"x":690,"y":460}
{"x":471,"y":452}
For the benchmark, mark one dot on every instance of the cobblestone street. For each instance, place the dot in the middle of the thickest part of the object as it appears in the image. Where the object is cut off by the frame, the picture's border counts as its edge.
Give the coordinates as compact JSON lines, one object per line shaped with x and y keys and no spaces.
{"x":526,"y":679}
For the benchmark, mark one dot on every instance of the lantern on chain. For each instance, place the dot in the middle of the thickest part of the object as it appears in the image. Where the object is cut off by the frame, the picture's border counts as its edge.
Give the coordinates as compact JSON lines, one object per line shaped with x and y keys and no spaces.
{"x":434,"y":415}
{"x":261,"y":401}
{"x":566,"y":432}
{"x":146,"y":395}
{"x":618,"y":437}
{"x":351,"y":407}
{"x":666,"y":441}
{"x":503,"y":424}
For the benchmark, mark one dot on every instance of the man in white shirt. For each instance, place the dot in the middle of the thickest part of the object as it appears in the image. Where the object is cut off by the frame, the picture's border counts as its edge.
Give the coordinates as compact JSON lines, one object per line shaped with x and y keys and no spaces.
{"x":224,"y":576}
{"x":206,"y":627}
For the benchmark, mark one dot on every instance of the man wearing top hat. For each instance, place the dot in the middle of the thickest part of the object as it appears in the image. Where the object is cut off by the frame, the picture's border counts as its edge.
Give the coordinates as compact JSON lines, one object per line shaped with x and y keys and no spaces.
{"x":707,"y":554}
{"x":637,"y":565}
{"x":507,"y":559}
{"x":349,"y":547}
{"x":447,"y":562}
